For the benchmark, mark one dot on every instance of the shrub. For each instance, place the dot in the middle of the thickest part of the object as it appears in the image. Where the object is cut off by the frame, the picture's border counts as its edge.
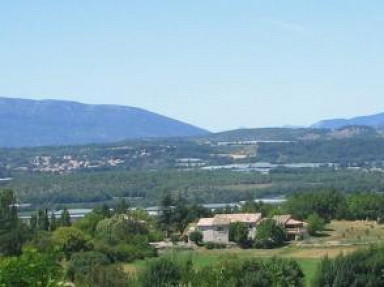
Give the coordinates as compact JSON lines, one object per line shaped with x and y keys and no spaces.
{"x":123,"y":252}
{"x":264,"y":244}
{"x":196,"y":236}
{"x":361,"y":268}
{"x":30,"y":269}
{"x":83,"y":264}
{"x":162,"y":272}
{"x":215,"y":245}
{"x":175,"y":238}
{"x":70,"y":240}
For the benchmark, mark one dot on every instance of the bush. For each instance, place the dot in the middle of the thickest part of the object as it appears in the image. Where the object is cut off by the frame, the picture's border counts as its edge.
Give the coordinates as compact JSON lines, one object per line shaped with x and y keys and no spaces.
{"x":251,"y":272}
{"x":215,"y":245}
{"x":227,"y":272}
{"x":162,"y":272}
{"x":361,"y":268}
{"x":196,"y":236}
{"x":42,"y":241}
{"x":175,"y":238}
{"x":121,"y":228}
{"x":70,"y":240}
{"x":111,"y":276}
{"x":83,"y":264}
{"x":155,"y":236}
{"x":264,"y":244}
{"x":30,"y":269}
{"x":123,"y":252}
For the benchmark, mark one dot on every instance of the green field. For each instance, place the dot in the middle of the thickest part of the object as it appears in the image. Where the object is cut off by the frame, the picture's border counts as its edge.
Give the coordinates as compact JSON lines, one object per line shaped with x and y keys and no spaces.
{"x":342,"y":237}
{"x":202,"y":259}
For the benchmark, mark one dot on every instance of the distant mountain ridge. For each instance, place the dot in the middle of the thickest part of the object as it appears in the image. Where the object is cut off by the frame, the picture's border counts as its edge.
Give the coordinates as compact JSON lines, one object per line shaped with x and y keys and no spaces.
{"x":375,"y":121}
{"x":26,"y":123}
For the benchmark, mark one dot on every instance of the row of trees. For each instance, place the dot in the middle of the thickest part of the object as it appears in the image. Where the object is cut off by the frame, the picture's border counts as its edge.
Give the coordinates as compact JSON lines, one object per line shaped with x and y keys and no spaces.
{"x":42,"y":221}
{"x":332,"y":204}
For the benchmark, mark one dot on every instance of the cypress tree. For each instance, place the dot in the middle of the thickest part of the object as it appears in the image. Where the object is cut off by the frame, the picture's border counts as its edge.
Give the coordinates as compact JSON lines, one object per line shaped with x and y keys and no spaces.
{"x":65,"y":218}
{"x":11,"y":233}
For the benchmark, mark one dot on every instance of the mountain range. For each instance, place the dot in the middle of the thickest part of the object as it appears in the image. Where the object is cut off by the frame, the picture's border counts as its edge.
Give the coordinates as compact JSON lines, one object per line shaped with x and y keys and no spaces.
{"x":52,"y":122}
{"x":28,"y":123}
{"x":375,"y":121}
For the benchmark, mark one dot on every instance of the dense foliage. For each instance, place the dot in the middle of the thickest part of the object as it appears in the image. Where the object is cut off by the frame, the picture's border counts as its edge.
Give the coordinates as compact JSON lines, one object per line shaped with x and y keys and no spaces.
{"x":12,"y":231}
{"x":335,"y":205}
{"x":269,"y":234}
{"x":362,"y":268}
{"x":228,"y":272}
{"x":32,"y":269}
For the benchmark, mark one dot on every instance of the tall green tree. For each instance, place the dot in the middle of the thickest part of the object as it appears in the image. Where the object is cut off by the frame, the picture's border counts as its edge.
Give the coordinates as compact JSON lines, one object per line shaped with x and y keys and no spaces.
{"x":53,"y":222}
{"x":43,"y":220}
{"x":270,"y":231}
{"x":11,"y":229}
{"x":315,"y":224}
{"x":65,"y":219}
{"x":122,"y":207}
{"x":166,"y":212}
{"x":238,"y":232}
{"x":180,"y":216}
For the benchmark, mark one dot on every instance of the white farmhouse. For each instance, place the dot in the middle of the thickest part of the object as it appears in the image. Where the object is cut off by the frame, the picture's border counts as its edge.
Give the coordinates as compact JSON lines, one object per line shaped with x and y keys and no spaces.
{"x":250,"y":219}
{"x":214,"y":229}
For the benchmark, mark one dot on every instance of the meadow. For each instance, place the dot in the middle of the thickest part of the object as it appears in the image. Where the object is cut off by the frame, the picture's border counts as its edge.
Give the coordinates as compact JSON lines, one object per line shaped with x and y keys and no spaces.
{"x":341,"y":237}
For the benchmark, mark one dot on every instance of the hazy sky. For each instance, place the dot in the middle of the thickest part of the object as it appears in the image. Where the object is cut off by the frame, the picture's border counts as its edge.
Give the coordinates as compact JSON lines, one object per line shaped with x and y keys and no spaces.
{"x":218,"y":64}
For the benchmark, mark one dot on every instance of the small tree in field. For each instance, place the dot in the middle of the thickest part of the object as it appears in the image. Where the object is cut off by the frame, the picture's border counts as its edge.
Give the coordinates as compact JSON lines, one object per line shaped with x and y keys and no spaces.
{"x":196,"y":236}
{"x":315,"y":224}
{"x":270,"y":231}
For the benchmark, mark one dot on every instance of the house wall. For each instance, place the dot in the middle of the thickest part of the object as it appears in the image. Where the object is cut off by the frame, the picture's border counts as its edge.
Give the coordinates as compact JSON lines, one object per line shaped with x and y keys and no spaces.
{"x":218,"y":234}
{"x":252,"y":232}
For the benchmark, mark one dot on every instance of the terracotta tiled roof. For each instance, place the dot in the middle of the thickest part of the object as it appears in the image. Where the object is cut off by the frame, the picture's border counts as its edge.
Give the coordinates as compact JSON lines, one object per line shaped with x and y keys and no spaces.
{"x":241,"y":217}
{"x":282,"y":219}
{"x":213,"y":221}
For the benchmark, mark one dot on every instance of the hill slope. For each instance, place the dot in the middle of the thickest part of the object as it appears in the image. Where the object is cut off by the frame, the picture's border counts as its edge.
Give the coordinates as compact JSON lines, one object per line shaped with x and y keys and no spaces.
{"x":376,"y":121}
{"x":51,"y":122}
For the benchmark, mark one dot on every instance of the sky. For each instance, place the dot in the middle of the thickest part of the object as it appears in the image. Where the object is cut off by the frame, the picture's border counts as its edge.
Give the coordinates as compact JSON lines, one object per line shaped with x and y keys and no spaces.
{"x":217,"y":64}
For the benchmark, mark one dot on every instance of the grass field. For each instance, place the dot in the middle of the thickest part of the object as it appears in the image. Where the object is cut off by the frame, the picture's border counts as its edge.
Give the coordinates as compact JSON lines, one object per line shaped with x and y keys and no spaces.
{"x":342,"y":237}
{"x":307,"y":258}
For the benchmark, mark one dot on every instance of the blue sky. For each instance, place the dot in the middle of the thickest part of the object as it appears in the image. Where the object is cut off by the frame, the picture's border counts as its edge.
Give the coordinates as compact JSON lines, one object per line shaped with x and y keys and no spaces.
{"x":216,"y":64}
